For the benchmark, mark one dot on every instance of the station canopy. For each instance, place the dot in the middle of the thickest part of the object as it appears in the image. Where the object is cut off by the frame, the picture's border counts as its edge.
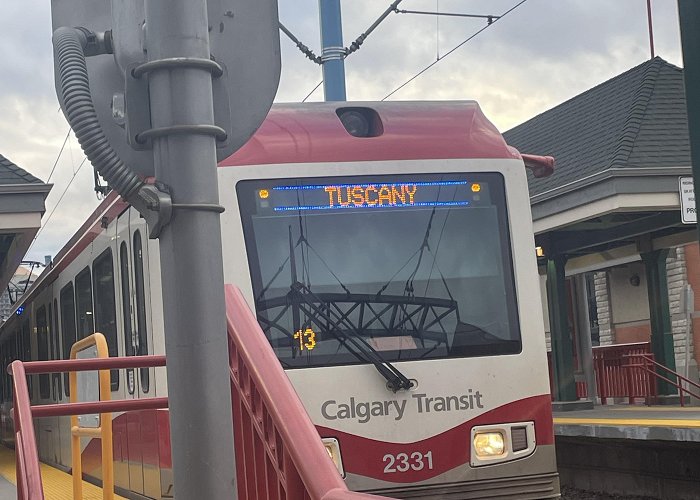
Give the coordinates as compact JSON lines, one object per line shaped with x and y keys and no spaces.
{"x":22,"y":198}
{"x":620,"y":149}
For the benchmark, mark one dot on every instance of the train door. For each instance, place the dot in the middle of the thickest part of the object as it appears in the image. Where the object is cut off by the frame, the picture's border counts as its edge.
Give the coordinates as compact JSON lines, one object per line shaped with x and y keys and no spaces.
{"x":45,"y":425}
{"x":133,"y":273}
{"x":55,"y":378}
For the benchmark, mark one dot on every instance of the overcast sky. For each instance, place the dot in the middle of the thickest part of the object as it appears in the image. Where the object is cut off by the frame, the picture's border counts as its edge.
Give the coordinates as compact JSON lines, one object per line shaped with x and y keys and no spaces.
{"x":541,"y":54}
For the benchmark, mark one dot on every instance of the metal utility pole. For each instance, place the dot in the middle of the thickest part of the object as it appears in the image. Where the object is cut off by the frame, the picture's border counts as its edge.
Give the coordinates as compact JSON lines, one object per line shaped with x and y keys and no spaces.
{"x":332,"y":50}
{"x":651,"y":29}
{"x":689,"y":15}
{"x":184,"y":149}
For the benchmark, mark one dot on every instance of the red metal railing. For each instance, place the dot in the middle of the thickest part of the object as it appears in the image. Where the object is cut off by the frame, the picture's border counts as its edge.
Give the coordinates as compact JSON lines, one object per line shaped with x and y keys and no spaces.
{"x":616,"y":379}
{"x":29,"y":485}
{"x":647,"y":364}
{"x":279,"y":454}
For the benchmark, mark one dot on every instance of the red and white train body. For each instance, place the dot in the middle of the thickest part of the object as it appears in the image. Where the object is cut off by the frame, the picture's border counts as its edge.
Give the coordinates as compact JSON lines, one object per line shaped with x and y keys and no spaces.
{"x":406,"y":248}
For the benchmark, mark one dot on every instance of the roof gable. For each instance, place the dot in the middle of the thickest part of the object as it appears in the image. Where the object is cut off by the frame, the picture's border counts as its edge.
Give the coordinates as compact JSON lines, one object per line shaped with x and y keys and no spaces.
{"x":636,"y":119}
{"x":12,"y":174}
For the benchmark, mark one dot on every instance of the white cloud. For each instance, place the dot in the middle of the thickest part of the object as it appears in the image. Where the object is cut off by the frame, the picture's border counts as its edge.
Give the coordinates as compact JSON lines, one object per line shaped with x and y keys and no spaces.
{"x":538,"y":56}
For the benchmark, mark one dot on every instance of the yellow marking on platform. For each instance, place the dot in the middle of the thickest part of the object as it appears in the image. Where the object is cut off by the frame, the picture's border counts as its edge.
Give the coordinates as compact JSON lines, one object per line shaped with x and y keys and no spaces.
{"x":57,"y":484}
{"x":683,"y":423}
{"x":657,"y":408}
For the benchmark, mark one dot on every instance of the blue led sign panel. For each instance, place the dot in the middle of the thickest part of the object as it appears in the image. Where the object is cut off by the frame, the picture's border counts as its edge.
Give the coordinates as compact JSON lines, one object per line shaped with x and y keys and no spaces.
{"x":387,"y":195}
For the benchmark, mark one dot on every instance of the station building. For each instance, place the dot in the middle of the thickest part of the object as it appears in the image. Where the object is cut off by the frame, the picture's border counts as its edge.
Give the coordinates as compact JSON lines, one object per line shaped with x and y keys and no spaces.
{"x":615,"y":255}
{"x":22,"y":204}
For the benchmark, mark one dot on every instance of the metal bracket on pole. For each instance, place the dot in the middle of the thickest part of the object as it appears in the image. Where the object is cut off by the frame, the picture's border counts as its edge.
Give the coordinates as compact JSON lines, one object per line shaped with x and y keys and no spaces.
{"x":138,"y":108}
{"x":154,"y":203}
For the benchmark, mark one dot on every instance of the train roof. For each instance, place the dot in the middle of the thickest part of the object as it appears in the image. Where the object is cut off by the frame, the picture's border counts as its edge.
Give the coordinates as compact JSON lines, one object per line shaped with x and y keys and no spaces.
{"x":313,"y":133}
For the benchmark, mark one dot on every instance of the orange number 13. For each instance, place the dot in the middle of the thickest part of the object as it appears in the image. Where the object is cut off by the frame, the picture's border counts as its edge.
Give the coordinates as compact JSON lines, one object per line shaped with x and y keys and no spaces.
{"x":307,"y":339}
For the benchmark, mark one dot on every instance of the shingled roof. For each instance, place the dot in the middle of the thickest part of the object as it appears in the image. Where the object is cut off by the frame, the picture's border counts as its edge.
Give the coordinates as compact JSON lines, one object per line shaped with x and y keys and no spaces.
{"x":636,"y":119}
{"x":12,"y":174}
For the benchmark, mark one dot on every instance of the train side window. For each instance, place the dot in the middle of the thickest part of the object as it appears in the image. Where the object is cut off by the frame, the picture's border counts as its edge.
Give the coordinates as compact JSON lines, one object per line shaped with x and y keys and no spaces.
{"x":140,"y":307}
{"x":42,"y":337}
{"x":105,"y":309}
{"x":50,"y":331}
{"x":83,"y":306}
{"x":67,"y":325}
{"x":126,"y":301}
{"x":26,"y":352}
{"x":56,"y":377}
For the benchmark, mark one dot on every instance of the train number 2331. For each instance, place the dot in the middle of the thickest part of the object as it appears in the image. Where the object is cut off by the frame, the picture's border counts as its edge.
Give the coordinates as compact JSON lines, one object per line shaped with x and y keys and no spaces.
{"x":402,"y":462}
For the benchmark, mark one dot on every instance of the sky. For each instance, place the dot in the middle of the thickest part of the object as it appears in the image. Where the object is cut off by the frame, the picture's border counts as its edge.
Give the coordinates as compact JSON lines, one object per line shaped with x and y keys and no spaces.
{"x":539,"y":55}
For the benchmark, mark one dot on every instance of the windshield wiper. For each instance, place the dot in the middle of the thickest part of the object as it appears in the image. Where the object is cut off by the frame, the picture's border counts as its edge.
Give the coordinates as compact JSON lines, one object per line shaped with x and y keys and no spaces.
{"x":354,"y":342}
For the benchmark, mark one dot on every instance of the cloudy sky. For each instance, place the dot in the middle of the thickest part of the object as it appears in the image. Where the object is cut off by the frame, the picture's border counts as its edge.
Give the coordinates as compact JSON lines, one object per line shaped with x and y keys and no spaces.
{"x":541,"y":54}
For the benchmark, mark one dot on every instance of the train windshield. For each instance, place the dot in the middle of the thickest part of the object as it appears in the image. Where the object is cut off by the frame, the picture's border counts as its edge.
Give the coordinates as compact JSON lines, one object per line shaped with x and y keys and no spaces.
{"x":407,"y":267}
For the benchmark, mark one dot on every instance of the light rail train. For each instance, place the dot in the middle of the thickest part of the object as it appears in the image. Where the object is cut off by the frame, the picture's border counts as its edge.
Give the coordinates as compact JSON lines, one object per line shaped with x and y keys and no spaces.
{"x":387,"y":250}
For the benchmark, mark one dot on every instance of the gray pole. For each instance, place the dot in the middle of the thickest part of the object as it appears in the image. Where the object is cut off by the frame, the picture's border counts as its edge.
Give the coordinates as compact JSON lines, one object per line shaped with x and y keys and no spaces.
{"x":190,"y":251}
{"x":689,"y":17}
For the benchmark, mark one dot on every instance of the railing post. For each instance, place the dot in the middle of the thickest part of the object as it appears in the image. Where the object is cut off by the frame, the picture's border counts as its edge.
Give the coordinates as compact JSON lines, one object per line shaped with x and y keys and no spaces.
{"x":29,"y":473}
{"x":627,"y":368}
{"x":103,"y":432}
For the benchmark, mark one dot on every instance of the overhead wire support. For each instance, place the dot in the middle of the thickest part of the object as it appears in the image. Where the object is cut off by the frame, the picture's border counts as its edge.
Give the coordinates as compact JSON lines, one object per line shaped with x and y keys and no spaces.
{"x":303,"y":48}
{"x":355,"y":46}
{"x":453,"y":49}
{"x":489,"y":18}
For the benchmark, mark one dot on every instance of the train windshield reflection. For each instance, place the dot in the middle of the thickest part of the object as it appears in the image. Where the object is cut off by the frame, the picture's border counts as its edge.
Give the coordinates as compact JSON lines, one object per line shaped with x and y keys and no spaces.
{"x":411,"y":267}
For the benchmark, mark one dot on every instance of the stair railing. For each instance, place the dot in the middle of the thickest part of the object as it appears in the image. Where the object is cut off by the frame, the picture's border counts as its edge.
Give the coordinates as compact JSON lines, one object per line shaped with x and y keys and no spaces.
{"x":647,"y":363}
{"x":279,"y":453}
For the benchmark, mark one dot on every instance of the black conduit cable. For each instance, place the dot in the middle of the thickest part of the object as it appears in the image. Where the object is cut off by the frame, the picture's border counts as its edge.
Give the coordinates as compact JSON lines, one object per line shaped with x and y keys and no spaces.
{"x":69,"y":54}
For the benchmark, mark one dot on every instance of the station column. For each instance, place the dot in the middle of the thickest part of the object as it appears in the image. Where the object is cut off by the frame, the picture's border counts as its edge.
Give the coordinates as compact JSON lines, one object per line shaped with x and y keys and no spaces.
{"x":660,"y":315}
{"x":562,"y":349}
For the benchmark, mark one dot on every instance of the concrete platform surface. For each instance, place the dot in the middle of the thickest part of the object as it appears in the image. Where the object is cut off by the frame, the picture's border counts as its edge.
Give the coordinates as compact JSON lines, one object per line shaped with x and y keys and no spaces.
{"x":631,"y":422}
{"x":8,"y":491}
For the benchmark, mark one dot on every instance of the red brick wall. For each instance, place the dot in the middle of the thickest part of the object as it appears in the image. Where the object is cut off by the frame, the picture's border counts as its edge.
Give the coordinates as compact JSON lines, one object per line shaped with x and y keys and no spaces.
{"x":692,"y":262}
{"x":637,"y":332}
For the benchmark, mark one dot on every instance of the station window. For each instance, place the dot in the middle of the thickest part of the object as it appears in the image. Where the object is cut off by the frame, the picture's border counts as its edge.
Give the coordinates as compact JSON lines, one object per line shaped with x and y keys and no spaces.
{"x":83,"y":306}
{"x":42,"y":337}
{"x":67,"y":325}
{"x":105,"y":309}
{"x":592,"y":309}
{"x":139,"y":288}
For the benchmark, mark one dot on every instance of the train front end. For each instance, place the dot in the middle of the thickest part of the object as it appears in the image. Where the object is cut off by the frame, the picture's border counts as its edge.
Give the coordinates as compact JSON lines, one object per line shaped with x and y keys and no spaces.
{"x":391,"y":264}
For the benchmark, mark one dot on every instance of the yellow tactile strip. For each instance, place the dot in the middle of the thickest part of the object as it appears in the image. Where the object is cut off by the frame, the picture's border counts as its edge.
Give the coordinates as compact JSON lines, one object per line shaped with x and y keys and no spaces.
{"x":57,"y":484}
{"x":683,"y":423}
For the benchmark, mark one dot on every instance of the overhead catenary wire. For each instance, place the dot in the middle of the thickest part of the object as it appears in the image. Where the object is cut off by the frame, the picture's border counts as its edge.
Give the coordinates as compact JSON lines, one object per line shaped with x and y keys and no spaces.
{"x":489,"y":18}
{"x":65,"y":141}
{"x":452,"y":50}
{"x":46,"y":222}
{"x":312,"y":91}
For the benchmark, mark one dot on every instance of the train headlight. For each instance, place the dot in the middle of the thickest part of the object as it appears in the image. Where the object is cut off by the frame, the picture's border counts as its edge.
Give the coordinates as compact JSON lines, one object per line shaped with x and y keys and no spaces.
{"x":333,"y":448}
{"x":498,"y":443}
{"x":489,"y":444}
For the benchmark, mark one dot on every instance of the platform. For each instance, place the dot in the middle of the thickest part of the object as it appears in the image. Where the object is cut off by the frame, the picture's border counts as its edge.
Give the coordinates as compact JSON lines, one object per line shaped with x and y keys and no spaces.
{"x":57,"y":484}
{"x":631,"y":422}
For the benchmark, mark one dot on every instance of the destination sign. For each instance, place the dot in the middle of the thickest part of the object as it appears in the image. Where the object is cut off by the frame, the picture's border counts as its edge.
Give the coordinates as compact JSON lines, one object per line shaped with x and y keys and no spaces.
{"x":368,"y":196}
